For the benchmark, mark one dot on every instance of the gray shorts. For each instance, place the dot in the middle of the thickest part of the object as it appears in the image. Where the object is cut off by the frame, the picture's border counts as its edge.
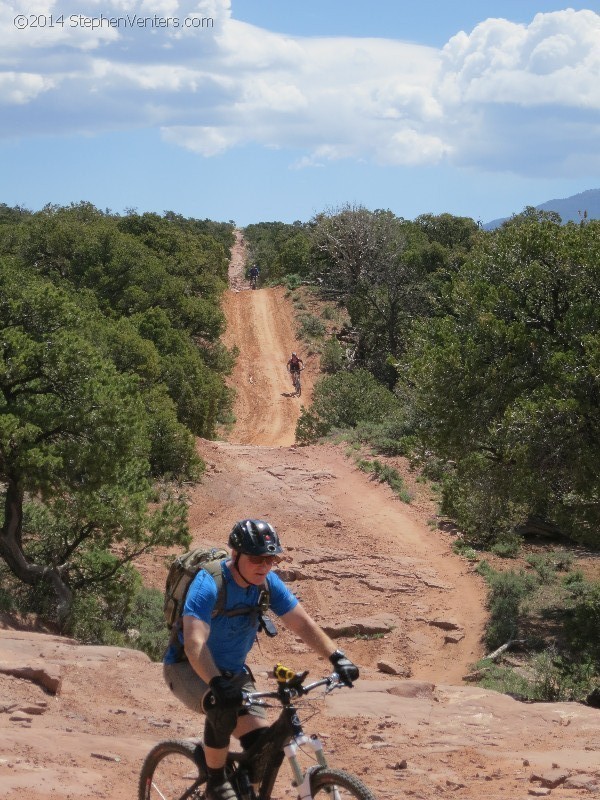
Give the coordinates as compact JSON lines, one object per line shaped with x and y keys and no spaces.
{"x":190,"y":689}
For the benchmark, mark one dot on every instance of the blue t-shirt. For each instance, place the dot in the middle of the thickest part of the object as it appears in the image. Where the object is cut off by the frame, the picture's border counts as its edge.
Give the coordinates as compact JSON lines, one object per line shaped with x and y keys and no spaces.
{"x":231,"y":638}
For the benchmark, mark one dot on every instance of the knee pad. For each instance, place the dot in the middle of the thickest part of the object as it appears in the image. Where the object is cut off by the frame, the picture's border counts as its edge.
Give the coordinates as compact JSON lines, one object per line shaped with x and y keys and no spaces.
{"x":220,"y":724}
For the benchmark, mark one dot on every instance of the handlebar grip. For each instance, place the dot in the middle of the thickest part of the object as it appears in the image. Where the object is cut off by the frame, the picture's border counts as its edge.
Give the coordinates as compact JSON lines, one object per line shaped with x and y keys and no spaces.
{"x":283,"y":674}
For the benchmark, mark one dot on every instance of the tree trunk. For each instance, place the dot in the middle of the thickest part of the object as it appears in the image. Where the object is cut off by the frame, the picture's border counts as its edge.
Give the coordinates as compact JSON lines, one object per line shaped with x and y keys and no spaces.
{"x":11,"y":550}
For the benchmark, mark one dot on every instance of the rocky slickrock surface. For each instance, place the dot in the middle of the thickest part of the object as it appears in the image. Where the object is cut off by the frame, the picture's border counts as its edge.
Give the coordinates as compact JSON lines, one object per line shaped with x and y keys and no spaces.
{"x":76,"y":722}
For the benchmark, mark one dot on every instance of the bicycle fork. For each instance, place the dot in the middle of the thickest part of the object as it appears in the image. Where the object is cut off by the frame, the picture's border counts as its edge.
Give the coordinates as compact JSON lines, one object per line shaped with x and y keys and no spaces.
{"x":302,"y":780}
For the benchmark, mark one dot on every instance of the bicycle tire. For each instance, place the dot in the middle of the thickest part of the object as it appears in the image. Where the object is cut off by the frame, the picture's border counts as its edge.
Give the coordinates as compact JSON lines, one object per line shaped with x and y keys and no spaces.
{"x":172,"y":771}
{"x":324,"y":781}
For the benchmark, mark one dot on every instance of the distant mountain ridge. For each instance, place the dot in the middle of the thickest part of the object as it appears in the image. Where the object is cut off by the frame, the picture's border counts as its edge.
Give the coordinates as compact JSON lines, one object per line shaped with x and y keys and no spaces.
{"x":571,"y":209}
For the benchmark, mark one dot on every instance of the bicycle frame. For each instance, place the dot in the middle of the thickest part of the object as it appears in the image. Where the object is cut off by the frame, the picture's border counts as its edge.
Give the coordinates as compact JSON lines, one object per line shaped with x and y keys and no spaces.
{"x":283,"y":739}
{"x":295,"y":375}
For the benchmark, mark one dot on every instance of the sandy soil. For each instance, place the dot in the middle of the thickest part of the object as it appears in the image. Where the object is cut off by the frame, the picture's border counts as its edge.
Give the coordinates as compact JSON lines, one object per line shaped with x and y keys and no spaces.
{"x":366,"y":565}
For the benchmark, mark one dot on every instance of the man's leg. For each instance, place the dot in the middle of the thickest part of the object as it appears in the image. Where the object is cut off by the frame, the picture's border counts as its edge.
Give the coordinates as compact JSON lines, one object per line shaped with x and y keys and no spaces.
{"x":190,"y":689}
{"x":246,"y":724}
{"x":220,"y":725}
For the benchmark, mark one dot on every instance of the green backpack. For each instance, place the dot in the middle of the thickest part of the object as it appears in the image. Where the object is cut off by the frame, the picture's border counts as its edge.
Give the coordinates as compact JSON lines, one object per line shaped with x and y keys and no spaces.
{"x":182,"y":572}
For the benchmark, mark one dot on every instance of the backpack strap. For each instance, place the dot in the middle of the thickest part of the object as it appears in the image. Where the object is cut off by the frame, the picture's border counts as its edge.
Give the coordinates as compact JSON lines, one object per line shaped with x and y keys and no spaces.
{"x":215,"y":569}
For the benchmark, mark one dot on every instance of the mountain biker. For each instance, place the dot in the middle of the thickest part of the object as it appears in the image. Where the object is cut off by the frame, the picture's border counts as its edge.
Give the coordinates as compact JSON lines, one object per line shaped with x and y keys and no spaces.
{"x":254,"y":273}
{"x":294,"y":365}
{"x":209,"y":673}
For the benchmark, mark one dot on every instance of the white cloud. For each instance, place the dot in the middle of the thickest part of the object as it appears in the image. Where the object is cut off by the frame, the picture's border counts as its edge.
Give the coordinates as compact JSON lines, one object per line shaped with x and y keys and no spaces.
{"x":525,"y":97}
{"x":203,"y":140}
{"x":554,"y":60}
{"x":389,"y":102}
{"x":21,"y":88}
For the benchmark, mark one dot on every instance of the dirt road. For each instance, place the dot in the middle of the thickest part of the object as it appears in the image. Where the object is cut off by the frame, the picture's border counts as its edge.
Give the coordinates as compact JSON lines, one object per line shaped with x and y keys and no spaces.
{"x":260,"y":325}
{"x":381,"y":556}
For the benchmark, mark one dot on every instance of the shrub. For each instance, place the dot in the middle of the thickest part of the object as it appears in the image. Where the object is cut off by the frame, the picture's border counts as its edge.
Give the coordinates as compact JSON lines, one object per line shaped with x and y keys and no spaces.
{"x":506,"y":591}
{"x":310,"y":428}
{"x":390,"y":475}
{"x":507,"y":545}
{"x":476,"y":498}
{"x":544,"y":565}
{"x":389,"y":437}
{"x":558,"y":680}
{"x":145,"y":624}
{"x":347,"y":398}
{"x":384,"y":473}
{"x":311,"y":327}
{"x":464,"y":550}
{"x":576,"y":583}
{"x":88,"y":622}
{"x":292,"y":281}
{"x":332,"y":356}
{"x":549,"y":679}
{"x":583,"y":630}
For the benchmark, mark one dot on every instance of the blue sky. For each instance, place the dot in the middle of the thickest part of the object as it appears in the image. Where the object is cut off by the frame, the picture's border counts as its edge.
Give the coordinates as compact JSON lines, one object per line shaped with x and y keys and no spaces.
{"x":278,"y":110}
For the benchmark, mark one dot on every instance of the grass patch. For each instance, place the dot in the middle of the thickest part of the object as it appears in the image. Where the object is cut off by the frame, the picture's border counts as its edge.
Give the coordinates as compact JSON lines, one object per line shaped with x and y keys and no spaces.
{"x":547,"y":677}
{"x":555,"y":619}
{"x":384,"y":473}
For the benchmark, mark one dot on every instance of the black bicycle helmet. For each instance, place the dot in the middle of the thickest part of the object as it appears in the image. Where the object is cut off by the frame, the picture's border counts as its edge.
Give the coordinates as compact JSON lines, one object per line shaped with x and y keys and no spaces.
{"x":255,"y":537}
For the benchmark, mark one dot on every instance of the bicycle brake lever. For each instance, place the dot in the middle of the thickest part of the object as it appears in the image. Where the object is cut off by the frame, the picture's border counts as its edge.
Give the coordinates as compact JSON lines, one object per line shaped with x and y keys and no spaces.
{"x":334,"y":683}
{"x":248,"y":703}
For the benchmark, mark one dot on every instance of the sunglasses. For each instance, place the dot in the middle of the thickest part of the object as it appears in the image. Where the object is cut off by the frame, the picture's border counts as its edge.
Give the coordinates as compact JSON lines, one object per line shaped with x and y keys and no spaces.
{"x":270,"y":560}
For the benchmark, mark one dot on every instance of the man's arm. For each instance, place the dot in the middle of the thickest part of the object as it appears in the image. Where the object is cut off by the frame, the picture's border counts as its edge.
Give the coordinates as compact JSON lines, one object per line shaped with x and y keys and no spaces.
{"x":299,"y":622}
{"x":195,"y":638}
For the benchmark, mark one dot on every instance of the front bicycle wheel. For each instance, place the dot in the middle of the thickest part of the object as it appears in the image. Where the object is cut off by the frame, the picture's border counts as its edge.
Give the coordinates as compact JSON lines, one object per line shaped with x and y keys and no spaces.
{"x":335,"y":784}
{"x":173,"y":770}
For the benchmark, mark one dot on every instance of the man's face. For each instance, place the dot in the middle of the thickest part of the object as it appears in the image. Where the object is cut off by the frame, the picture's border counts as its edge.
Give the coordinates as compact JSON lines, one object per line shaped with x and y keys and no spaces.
{"x":256,"y":568}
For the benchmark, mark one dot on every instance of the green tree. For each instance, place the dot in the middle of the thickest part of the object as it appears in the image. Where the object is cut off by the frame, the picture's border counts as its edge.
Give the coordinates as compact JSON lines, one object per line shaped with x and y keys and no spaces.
{"x":375,"y":261}
{"x":74,"y":449}
{"x":294,"y":255}
{"x":278,"y":248}
{"x":508,"y":384}
{"x":133,"y":269}
{"x":451,"y":232}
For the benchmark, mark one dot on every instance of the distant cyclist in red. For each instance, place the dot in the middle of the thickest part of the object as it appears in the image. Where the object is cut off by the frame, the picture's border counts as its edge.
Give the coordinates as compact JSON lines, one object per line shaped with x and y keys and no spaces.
{"x":295,"y":365}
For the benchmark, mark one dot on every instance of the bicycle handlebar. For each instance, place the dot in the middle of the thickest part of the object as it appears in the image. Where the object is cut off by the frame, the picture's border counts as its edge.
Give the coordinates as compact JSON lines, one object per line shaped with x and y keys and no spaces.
{"x":332,"y":682}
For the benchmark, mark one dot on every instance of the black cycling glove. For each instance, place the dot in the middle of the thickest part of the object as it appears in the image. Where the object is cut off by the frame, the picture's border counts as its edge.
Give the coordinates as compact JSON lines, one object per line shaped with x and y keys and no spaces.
{"x":225,"y":694}
{"x":347,"y":671}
